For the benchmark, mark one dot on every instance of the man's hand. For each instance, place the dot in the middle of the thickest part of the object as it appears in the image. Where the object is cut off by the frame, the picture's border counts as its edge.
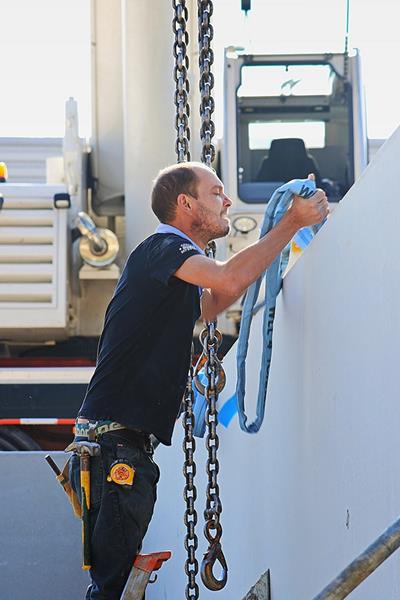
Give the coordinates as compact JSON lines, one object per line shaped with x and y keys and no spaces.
{"x":311,"y":211}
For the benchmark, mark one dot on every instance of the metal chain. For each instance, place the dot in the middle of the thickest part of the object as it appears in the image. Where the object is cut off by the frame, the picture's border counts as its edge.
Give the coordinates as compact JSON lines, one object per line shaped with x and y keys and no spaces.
{"x":206,"y":60}
{"x":212,"y":529}
{"x":211,"y":338}
{"x":183,"y":154}
{"x":189,"y":492}
{"x":181,"y":80}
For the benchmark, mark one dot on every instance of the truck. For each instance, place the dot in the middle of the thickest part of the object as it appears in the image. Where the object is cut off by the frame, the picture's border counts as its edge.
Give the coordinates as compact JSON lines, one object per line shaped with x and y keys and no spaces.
{"x":63,"y":241}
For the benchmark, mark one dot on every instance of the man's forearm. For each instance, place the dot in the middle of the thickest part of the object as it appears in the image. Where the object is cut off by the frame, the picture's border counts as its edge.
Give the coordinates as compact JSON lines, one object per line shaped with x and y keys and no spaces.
{"x":248,"y":264}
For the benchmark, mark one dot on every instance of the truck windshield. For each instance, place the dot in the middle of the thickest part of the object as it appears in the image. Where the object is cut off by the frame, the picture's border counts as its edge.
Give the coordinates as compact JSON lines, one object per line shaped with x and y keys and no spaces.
{"x":293,"y":120}
{"x":289,"y":80}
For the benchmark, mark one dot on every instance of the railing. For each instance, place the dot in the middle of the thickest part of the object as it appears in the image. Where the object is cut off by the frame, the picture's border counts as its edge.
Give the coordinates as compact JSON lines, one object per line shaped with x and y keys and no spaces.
{"x":363,"y":565}
{"x":26,"y":157}
{"x":351,"y":577}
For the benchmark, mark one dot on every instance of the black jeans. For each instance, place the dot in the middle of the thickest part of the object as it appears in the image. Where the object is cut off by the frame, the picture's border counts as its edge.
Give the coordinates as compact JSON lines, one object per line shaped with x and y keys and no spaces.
{"x":119,"y":514}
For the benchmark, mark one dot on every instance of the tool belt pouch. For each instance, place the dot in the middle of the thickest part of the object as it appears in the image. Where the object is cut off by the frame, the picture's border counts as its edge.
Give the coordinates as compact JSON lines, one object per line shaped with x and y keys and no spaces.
{"x":63,"y":478}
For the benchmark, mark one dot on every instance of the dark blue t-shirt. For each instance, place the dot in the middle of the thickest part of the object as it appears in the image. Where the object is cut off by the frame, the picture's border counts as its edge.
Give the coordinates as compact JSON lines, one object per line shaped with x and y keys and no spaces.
{"x":144,"y":350}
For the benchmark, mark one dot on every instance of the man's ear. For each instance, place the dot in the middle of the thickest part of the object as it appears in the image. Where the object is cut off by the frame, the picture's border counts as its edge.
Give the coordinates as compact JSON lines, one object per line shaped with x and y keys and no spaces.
{"x":184,"y":202}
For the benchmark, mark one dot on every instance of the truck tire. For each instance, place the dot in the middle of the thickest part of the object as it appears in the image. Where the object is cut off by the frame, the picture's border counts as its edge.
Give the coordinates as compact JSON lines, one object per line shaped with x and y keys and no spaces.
{"x":13,"y":438}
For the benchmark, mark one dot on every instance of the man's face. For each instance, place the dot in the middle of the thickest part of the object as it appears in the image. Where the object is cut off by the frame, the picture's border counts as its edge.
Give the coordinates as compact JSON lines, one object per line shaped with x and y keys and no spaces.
{"x":210,"y":208}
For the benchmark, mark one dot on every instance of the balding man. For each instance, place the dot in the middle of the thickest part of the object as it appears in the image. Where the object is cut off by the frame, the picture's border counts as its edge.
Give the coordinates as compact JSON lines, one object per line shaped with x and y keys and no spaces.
{"x":144,"y":352}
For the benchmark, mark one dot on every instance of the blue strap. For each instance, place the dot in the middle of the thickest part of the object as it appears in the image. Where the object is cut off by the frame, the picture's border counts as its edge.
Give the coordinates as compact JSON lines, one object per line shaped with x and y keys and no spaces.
{"x":276,"y":208}
{"x":199,"y":407}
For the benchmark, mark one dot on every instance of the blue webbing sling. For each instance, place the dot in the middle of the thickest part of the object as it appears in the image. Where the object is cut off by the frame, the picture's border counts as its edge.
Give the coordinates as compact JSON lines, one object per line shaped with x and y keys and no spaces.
{"x":276,"y":208}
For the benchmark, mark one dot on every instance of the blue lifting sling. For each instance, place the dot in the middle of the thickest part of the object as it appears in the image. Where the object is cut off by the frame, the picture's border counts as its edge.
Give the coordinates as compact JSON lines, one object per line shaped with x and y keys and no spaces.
{"x":275,"y":210}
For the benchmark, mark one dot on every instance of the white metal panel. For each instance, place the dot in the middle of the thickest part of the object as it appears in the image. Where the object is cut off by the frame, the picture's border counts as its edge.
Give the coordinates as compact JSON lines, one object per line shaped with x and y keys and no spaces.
{"x":33,"y":258}
{"x":26,"y":235}
{"x":13,"y":253}
{"x":32,"y":218}
{"x":42,"y":537}
{"x":42,"y":272}
{"x":30,"y":190}
{"x":24,"y":202}
{"x":25,"y":291}
{"x":319,"y":482}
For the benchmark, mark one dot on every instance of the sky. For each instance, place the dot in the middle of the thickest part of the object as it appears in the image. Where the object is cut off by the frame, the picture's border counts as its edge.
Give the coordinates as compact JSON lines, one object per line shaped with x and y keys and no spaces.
{"x":44,"y":59}
{"x":45,"y":54}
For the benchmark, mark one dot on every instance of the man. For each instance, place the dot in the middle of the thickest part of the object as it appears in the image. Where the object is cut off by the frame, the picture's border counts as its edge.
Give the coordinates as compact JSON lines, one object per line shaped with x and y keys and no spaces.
{"x":144,"y":352}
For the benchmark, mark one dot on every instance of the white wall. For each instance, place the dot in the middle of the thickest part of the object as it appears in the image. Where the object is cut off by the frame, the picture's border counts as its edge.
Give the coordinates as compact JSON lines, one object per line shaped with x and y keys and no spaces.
{"x":320,"y":481}
{"x":40,"y":550}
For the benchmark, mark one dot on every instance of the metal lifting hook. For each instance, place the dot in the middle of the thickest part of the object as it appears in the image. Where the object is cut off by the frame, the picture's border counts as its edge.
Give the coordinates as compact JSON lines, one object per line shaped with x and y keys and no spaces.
{"x":202,"y":361}
{"x":214,"y":554}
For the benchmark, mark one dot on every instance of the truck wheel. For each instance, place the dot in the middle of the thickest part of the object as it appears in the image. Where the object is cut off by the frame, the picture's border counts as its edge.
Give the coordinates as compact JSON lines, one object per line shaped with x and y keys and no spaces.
{"x":13,"y":438}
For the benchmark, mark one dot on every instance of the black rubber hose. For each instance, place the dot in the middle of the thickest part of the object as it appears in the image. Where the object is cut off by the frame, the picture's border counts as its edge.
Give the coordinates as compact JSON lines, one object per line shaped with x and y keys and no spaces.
{"x":18,"y":439}
{"x":6,"y":446}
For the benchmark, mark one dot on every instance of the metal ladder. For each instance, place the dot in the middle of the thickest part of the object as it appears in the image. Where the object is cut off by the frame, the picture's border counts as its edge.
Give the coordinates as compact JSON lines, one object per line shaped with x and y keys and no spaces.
{"x":139,"y":577}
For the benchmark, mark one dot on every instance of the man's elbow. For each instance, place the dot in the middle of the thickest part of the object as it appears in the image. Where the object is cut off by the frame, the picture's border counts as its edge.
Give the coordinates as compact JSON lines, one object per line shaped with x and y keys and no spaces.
{"x":229,"y":286}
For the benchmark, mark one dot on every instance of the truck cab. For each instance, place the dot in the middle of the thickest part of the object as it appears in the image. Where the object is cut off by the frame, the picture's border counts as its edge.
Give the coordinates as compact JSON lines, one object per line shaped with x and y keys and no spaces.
{"x":286,"y":116}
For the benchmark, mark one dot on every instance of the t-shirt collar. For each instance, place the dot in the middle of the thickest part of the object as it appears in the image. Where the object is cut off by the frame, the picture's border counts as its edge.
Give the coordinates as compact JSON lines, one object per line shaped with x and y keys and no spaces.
{"x":165,"y":228}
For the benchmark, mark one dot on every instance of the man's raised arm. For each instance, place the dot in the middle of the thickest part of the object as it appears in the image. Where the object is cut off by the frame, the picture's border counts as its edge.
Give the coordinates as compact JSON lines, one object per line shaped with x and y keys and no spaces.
{"x":224,"y":282}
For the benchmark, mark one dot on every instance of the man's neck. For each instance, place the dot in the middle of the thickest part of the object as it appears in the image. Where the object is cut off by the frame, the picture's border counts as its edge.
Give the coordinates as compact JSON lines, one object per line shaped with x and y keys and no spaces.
{"x":190,"y":234}
{"x":173,"y":228}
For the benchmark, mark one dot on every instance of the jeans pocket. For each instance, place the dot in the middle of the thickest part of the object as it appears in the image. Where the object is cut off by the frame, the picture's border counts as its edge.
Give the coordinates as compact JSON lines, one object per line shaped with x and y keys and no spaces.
{"x":156,"y":469}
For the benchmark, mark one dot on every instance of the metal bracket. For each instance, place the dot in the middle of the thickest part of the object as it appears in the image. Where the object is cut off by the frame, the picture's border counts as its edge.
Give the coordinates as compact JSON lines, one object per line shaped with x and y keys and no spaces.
{"x":62,"y":200}
{"x":262,"y":589}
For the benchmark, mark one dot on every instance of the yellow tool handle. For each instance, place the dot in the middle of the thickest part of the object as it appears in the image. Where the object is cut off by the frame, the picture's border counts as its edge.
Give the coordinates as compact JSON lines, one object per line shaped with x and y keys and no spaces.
{"x":85,"y":489}
{"x":85,"y":485}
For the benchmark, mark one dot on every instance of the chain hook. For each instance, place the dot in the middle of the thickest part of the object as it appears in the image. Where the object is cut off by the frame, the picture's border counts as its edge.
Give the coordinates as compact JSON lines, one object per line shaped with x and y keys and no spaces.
{"x":214,"y":554}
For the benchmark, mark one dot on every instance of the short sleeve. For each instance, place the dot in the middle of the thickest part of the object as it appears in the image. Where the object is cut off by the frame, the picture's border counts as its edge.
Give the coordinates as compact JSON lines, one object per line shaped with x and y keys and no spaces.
{"x":167,"y":255}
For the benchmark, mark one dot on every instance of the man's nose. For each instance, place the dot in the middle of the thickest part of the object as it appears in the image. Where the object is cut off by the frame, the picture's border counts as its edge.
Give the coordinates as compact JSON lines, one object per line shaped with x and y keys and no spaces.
{"x":227,"y":201}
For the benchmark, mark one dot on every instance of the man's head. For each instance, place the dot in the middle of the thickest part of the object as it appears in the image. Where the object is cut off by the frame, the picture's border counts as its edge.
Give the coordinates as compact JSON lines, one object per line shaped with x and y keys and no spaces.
{"x":191,"y":197}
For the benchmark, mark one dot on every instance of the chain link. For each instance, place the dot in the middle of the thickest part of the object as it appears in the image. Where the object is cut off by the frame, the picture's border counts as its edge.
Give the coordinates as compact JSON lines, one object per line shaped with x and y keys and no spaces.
{"x":181,"y":80}
{"x":189,"y":492}
{"x":206,"y":84}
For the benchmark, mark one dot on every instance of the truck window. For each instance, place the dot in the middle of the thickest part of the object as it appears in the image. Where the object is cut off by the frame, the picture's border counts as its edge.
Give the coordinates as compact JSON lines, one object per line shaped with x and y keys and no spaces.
{"x":293,"y":120}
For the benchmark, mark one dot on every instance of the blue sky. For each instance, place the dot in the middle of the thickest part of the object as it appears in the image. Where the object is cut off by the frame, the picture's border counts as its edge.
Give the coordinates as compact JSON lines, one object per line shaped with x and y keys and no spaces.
{"x":45,"y":54}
